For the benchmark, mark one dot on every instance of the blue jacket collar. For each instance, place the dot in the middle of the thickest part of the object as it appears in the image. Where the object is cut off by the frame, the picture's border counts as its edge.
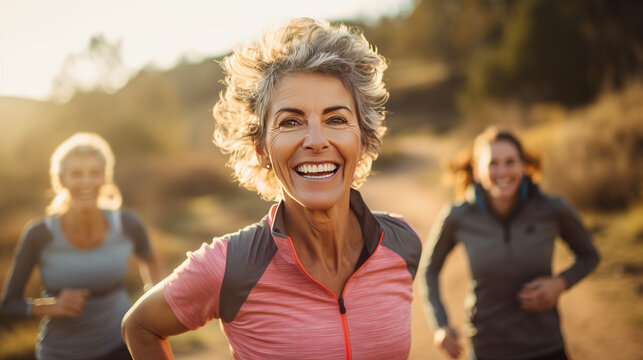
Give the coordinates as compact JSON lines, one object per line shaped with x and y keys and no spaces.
{"x":476,"y":195}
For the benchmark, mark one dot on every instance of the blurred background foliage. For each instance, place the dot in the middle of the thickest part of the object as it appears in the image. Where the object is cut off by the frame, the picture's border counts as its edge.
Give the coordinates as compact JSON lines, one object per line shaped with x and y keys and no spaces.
{"x":565,"y":74}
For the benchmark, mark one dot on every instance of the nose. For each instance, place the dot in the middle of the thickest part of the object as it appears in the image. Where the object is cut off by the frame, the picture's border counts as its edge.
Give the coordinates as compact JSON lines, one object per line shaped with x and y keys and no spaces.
{"x":315,"y":139}
{"x":85,"y":180}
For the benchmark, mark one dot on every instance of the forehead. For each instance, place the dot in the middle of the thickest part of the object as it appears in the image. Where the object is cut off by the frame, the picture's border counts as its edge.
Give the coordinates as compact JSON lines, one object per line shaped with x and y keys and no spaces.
{"x":83,"y":159}
{"x":310,"y":91}
{"x":503,"y":148}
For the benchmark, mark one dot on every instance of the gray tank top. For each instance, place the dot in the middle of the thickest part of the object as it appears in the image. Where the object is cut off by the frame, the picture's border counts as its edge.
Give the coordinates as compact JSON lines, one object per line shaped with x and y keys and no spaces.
{"x":101,"y":270}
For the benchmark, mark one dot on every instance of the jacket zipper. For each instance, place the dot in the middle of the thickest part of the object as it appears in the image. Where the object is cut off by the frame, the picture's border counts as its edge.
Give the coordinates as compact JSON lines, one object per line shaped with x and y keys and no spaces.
{"x":340,"y":300}
{"x":507,"y":237}
{"x":506,"y":233}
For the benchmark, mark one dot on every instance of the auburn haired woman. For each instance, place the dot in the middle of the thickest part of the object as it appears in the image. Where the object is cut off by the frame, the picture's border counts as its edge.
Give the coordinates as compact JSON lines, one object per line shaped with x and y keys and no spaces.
{"x":507,"y":226}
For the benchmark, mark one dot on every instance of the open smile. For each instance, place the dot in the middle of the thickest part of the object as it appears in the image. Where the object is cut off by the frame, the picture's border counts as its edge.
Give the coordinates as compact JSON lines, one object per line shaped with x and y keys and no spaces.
{"x":504,"y":182}
{"x":317,"y":171}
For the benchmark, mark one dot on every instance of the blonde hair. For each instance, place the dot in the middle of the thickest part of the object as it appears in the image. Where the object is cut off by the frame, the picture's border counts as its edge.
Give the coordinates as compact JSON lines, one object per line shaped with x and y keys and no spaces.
{"x":109,"y":196}
{"x":462,"y":166}
{"x":303,"y":45}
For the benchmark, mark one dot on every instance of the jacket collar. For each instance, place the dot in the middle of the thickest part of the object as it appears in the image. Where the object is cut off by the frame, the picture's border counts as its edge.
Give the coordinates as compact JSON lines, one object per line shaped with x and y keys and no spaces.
{"x":475,"y":195}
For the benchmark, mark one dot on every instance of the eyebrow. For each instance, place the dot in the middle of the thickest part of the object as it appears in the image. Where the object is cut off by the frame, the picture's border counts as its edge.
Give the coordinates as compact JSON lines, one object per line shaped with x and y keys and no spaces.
{"x":335,"y":108}
{"x":301,"y":112}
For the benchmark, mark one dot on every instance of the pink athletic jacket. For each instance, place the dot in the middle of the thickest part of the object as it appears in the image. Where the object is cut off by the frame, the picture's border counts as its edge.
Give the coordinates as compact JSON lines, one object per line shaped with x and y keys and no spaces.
{"x":271,"y":308}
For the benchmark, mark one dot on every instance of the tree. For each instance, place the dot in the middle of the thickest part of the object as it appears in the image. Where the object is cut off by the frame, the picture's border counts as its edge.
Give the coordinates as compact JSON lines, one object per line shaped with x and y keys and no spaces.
{"x":99,"y":67}
{"x":559,"y":51}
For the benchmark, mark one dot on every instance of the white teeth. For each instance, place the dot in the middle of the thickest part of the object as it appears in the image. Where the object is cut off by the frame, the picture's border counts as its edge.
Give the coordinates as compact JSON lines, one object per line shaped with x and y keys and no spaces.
{"x":316,"y":168}
{"x":318,"y":176}
{"x":310,"y":171}
{"x":503,"y":182}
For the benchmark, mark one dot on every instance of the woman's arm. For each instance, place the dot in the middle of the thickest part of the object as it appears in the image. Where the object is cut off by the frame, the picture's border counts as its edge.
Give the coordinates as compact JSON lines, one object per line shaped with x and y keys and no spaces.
{"x":147,"y":325}
{"x":440,"y":243}
{"x":69,"y":303}
{"x":149,"y":265}
{"x":150,"y":270}
{"x":542,"y":294}
{"x":574,"y":233}
{"x":13,"y":305}
{"x":185,"y":300}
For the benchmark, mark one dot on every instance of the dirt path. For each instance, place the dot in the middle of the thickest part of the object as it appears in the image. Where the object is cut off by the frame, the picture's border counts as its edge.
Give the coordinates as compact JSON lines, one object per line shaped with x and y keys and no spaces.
{"x":592,"y":328}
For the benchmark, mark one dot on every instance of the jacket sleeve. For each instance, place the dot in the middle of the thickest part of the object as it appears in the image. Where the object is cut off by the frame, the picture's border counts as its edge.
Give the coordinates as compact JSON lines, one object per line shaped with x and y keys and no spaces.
{"x":441,"y":241}
{"x":33,"y":239}
{"x":580,"y":242}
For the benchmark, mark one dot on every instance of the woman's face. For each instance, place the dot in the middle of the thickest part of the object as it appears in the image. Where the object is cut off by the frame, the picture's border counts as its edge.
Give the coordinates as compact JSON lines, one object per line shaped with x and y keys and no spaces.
{"x":83,"y":176}
{"x":500,"y":169}
{"x":313,"y":140}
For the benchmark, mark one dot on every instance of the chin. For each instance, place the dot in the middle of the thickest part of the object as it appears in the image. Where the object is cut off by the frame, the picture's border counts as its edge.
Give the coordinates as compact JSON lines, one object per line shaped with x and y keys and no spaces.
{"x":85,"y":205}
{"x":506,"y":194}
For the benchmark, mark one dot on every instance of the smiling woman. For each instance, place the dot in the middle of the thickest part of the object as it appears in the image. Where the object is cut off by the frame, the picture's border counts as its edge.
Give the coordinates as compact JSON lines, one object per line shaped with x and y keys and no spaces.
{"x":321,"y":276}
{"x":82,"y":249}
{"x":508,"y":227}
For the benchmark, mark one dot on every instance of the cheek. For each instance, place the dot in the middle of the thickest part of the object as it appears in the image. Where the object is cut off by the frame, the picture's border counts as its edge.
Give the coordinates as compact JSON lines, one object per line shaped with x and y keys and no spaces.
{"x":350,"y":140}
{"x":280,"y":144}
{"x":519,"y":169}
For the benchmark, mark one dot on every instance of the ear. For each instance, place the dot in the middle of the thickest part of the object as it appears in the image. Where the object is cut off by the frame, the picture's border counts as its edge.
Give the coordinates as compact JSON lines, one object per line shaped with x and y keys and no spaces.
{"x":262,"y":155}
{"x":362,"y":149}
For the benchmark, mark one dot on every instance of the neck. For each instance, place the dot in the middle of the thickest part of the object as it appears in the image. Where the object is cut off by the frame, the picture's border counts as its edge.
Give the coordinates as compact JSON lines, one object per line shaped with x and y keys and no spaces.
{"x":323,"y":236}
{"x":502,"y":207}
{"x":82,"y":218}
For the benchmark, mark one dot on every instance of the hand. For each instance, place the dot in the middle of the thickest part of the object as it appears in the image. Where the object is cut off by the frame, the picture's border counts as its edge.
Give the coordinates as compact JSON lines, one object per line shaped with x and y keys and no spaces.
{"x":68,"y":303}
{"x":447,"y":339}
{"x":542,"y":293}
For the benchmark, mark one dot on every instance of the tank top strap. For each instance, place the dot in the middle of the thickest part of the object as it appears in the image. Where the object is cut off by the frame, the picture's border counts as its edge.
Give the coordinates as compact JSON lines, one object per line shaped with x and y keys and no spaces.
{"x":49,"y":223}
{"x":114,"y":221}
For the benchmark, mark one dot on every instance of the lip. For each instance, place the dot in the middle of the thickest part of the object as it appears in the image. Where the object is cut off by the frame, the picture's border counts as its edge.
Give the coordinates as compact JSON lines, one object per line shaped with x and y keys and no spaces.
{"x":504,"y":182}
{"x":86,"y":194}
{"x":317,"y":170}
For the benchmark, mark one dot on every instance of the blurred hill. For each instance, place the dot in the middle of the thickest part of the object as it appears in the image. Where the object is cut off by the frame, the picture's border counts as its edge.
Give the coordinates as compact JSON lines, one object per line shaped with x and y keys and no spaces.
{"x":455,"y":67}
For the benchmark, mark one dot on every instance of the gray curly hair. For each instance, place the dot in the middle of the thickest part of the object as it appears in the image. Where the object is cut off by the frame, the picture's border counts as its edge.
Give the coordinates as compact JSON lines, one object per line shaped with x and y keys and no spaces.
{"x":303,"y":45}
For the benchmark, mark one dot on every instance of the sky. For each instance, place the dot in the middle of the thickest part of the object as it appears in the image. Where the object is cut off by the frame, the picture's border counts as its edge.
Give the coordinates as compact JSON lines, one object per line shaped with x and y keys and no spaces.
{"x":36,"y":36}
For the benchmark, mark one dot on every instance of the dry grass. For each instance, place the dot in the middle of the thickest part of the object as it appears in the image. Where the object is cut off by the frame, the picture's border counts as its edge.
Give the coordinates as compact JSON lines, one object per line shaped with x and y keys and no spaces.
{"x":594,"y":156}
{"x":18,"y":340}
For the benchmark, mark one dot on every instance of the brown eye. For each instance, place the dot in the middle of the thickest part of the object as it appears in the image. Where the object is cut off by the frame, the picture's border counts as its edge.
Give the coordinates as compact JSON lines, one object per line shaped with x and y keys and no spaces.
{"x":337,"y":120}
{"x":289,"y":122}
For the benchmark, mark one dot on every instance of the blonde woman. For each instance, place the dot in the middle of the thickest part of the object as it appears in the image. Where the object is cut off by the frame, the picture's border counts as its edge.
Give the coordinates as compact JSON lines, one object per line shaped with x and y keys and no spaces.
{"x":321,"y":276}
{"x":507,"y":226}
{"x":82,"y":248}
